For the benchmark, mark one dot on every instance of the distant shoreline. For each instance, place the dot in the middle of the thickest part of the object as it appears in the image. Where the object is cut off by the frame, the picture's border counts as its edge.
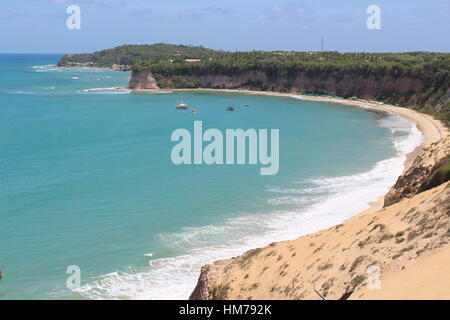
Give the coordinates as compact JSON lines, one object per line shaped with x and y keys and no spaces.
{"x":94,"y":68}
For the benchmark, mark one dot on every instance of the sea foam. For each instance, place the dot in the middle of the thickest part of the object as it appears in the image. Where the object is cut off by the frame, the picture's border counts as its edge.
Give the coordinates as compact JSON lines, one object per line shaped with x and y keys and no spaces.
{"x":110,"y":90}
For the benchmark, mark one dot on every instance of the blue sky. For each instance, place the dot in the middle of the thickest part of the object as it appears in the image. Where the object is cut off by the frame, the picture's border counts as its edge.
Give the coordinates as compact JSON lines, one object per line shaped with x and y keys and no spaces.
{"x":39,"y":26}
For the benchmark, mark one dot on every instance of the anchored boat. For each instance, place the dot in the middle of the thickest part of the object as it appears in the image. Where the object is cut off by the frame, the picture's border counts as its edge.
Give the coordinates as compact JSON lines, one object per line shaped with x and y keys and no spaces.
{"x":182,"y":106}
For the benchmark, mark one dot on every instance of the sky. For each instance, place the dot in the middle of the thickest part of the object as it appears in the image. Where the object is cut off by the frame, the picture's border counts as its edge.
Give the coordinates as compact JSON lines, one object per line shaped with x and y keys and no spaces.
{"x":39,"y":26}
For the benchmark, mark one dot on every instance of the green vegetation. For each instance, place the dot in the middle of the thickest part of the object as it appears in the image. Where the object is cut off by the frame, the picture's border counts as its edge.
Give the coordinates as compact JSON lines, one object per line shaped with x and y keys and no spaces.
{"x":129,"y":54}
{"x":357,"y":262}
{"x":169,"y":64}
{"x":378,"y":226}
{"x":245,"y":258}
{"x":400,"y":233}
{"x":444,"y":170}
{"x":438,"y":176}
{"x":219,"y":292}
{"x":325,"y":266}
{"x":356,"y":281}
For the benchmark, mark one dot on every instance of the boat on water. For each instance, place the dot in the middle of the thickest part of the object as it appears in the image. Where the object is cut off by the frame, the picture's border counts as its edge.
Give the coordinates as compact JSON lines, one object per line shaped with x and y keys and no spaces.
{"x":247,"y":105}
{"x":182,"y":106}
{"x":230,"y":108}
{"x":193,"y":111}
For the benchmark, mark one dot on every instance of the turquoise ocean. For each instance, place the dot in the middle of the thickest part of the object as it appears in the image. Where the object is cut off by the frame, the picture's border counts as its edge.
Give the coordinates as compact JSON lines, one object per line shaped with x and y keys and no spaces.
{"x":86,"y":179}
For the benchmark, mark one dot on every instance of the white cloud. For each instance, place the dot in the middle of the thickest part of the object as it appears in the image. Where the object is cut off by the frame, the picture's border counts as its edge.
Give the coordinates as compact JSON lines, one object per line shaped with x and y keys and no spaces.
{"x":201,"y":12}
{"x":280,"y":12}
{"x":59,"y":1}
{"x":277,"y":10}
{"x":8,"y":14}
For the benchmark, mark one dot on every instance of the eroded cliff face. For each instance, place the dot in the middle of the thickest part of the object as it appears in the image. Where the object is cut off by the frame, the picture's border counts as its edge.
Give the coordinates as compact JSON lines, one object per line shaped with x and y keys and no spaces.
{"x":348,"y":85}
{"x":402,"y":90}
{"x":425,"y":172}
{"x":143,"y":80}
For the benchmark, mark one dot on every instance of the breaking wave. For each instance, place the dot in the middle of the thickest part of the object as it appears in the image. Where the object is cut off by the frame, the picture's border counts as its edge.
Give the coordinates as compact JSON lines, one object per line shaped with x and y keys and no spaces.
{"x":111,"y":90}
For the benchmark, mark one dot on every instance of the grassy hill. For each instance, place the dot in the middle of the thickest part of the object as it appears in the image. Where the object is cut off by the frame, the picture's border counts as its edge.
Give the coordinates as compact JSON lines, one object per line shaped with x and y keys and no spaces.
{"x":129,"y":54}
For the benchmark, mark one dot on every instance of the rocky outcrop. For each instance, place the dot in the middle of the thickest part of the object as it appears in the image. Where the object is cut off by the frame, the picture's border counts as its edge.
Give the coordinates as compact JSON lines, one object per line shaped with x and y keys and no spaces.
{"x":201,"y":291}
{"x":142,"y":80}
{"x":426,"y":171}
{"x":204,"y":290}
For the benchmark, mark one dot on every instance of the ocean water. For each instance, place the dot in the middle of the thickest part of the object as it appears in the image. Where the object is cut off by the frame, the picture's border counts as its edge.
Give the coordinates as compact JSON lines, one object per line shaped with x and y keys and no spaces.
{"x":86,"y":179}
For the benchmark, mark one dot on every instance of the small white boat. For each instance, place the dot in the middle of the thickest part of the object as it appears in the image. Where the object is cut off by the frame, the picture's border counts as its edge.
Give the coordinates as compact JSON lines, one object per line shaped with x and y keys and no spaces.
{"x":182,"y":106}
